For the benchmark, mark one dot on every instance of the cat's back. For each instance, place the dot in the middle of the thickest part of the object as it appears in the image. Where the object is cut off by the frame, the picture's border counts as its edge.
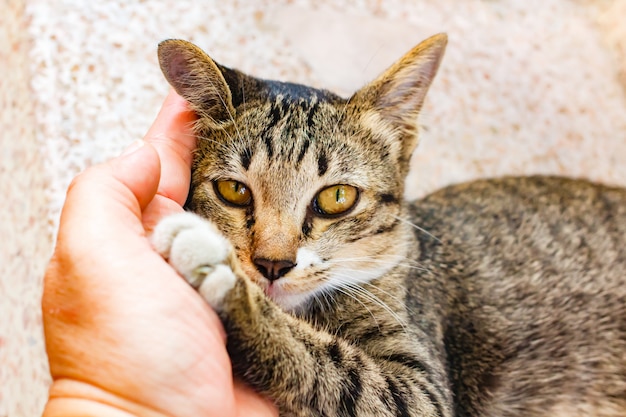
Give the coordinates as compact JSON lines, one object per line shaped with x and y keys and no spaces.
{"x":547,"y":219}
{"x":524,"y":226}
{"x":534,"y":277}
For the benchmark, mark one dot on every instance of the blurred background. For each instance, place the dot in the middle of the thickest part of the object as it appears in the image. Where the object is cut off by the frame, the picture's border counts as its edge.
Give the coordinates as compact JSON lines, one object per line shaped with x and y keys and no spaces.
{"x":534,"y":86}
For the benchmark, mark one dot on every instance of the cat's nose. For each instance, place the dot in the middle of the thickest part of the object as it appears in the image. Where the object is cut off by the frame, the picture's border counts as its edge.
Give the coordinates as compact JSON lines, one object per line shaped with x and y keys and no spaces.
{"x":272,"y":270}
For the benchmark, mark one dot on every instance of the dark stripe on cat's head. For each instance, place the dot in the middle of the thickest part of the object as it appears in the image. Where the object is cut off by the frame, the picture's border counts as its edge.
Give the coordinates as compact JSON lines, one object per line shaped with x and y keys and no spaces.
{"x":245,"y":158}
{"x":250,"y":220}
{"x":385,"y":228}
{"x":303,"y":150}
{"x":322,"y":163}
{"x":311,"y":114}
{"x":275,"y":115}
{"x":387,"y":198}
{"x":267,"y":139}
{"x":307,"y":225}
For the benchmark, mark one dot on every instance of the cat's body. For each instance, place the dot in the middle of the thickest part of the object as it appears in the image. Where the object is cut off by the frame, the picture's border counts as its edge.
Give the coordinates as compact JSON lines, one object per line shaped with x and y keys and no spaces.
{"x":533,"y":300}
{"x":494,"y":298}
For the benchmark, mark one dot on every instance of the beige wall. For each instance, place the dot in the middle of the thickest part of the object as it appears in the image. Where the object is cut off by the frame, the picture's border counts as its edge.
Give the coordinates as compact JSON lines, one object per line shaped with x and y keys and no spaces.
{"x":25,"y":243}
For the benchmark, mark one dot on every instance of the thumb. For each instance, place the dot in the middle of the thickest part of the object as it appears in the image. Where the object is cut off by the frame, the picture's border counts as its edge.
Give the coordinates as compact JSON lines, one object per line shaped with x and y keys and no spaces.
{"x":139,"y":169}
{"x":105,"y":203}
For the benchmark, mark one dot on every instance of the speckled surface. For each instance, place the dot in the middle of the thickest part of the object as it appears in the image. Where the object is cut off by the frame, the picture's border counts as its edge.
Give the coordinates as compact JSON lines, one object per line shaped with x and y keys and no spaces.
{"x":537,"y":86}
{"x":25,"y":242}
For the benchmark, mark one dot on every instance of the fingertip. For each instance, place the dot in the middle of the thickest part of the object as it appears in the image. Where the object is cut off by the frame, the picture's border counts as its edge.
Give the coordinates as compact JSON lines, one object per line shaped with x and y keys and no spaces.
{"x":173,"y":99}
{"x":173,"y":137}
{"x":174,"y":122}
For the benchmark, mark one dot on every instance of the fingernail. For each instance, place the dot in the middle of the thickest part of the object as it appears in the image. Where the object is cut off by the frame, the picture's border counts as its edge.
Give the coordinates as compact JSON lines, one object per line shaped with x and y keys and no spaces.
{"x":133,"y":147}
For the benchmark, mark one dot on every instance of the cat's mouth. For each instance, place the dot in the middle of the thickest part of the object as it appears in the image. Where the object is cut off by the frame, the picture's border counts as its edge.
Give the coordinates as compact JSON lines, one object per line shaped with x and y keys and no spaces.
{"x":293,"y":289}
{"x":283,"y":294}
{"x":273,"y":290}
{"x":284,"y":291}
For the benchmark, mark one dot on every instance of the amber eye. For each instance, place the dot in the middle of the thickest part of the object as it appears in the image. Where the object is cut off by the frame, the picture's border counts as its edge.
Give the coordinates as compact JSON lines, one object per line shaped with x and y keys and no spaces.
{"x":233,"y":192}
{"x":336,"y":199}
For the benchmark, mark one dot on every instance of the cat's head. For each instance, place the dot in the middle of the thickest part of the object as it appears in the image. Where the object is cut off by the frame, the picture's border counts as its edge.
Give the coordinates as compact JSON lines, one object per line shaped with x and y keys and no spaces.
{"x":306,"y":185}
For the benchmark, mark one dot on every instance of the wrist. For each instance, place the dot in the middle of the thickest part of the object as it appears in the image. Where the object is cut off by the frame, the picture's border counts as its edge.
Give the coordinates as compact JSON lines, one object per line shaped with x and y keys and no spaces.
{"x":69,"y":398}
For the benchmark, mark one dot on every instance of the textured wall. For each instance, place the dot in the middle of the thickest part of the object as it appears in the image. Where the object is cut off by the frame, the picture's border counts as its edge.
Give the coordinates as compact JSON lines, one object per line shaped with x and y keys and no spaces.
{"x":534,"y":86}
{"x":25,"y":243}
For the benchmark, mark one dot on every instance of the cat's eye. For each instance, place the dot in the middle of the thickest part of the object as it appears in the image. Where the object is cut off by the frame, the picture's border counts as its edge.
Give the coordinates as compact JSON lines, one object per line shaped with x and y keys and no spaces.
{"x":335,"y":200}
{"x":233,"y":192}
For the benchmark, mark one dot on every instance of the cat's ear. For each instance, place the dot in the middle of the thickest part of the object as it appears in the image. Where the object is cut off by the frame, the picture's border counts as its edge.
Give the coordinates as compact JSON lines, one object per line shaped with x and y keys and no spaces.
{"x":392,"y":101}
{"x":198,"y":79}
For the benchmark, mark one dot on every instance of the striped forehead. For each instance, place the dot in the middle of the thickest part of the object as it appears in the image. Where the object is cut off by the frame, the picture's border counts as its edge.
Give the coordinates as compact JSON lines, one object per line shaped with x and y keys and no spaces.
{"x":288,"y":129}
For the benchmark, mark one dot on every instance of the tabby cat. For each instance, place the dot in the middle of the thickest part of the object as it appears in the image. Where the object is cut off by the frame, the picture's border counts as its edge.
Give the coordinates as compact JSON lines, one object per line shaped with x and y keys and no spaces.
{"x":502,"y":297}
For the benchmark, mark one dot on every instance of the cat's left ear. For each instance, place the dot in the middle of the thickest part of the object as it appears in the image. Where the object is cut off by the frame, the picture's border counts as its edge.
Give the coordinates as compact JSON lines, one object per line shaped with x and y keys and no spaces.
{"x":198,"y":79}
{"x":390,"y":105}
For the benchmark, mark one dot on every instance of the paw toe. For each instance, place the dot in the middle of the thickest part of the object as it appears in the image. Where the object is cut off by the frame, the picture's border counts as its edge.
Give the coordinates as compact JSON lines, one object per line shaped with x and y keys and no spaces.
{"x":214,"y":289}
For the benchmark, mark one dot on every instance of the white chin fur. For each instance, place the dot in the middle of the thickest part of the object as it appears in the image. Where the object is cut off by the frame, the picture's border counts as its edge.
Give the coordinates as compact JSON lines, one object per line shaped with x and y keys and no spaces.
{"x":292,"y":302}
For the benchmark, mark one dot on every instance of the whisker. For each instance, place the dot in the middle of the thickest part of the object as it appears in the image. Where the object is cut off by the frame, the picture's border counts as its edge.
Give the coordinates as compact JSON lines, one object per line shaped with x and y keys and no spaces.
{"x":248,"y":148}
{"x":373,"y":298}
{"x":319,"y":301}
{"x":418,"y":228}
{"x":341,"y":114}
{"x":218,"y":143}
{"x":388,"y":294}
{"x":342,"y":284}
{"x":349,"y":294}
{"x":371,"y":284}
{"x":232,"y":118}
{"x":417,"y":267}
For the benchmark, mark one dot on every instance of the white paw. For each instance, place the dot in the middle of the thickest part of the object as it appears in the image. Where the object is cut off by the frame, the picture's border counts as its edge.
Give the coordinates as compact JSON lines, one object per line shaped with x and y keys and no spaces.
{"x":198,"y":252}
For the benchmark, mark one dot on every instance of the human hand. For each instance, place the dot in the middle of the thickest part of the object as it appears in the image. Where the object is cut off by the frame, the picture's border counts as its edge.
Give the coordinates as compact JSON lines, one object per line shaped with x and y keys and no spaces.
{"x":125,"y":335}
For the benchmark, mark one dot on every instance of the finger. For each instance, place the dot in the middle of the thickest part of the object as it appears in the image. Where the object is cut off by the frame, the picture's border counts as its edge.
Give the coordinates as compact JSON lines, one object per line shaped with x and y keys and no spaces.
{"x":101,"y":222}
{"x":172,"y":136}
{"x":116,"y":191}
{"x":159,"y":208}
{"x":103,"y":205}
{"x":105,"y":285}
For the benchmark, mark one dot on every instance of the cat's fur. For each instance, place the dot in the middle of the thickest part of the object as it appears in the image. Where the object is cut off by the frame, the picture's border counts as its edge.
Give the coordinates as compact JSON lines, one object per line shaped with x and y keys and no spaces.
{"x":501,"y":297}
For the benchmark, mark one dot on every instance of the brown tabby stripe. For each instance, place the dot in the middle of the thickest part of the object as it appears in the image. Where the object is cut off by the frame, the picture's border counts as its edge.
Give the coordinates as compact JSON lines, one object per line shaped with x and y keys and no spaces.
{"x":267,"y":139}
{"x":352,"y":387}
{"x":322,"y":163}
{"x":303,"y":150}
{"x":307,"y":225}
{"x":387,"y":198}
{"x":311,"y":114}
{"x":401,"y":406}
{"x":245,"y":158}
{"x":420,"y":366}
{"x":380,"y":230}
{"x":351,"y":392}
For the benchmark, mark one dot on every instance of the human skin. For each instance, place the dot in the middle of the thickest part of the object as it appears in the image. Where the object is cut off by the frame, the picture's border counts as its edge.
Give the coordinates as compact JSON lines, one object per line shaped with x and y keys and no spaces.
{"x":125,"y":335}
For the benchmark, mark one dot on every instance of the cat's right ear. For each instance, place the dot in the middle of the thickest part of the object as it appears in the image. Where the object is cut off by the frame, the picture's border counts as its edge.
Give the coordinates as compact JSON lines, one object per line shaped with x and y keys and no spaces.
{"x":198,"y":79}
{"x":392,"y":102}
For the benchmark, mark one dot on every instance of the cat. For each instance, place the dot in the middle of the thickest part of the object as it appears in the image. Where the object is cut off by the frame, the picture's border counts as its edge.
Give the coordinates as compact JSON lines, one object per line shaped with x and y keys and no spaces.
{"x":499,"y":297}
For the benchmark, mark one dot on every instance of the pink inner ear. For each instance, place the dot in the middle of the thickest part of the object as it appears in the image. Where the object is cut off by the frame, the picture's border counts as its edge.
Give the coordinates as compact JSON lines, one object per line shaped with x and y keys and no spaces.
{"x":177,"y":66}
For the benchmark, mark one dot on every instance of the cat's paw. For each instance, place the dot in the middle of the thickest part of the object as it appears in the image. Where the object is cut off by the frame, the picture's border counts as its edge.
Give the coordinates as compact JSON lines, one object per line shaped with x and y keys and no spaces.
{"x":198,"y":252}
